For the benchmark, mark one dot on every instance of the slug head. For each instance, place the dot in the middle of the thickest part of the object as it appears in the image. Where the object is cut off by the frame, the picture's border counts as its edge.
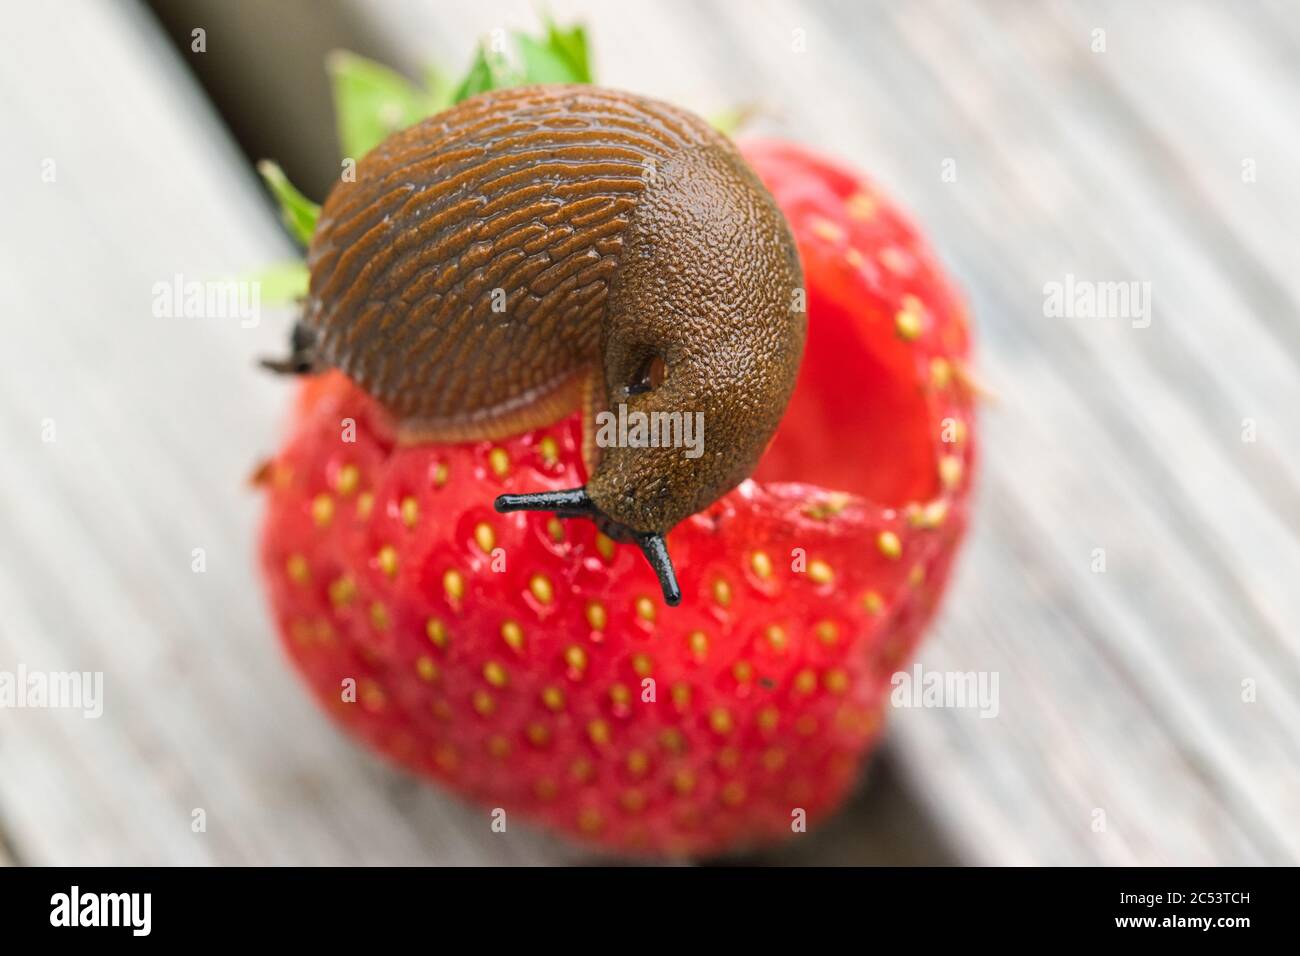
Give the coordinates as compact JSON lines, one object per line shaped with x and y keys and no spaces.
{"x":701,"y":345}
{"x":700,"y":349}
{"x":680,"y":426}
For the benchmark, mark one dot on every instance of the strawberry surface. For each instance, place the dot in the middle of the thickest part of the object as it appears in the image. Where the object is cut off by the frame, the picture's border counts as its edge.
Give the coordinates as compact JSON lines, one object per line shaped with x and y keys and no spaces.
{"x":530,"y":664}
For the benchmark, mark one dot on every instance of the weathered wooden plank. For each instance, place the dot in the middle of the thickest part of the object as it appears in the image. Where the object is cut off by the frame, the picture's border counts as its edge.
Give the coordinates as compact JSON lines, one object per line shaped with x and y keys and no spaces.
{"x":1097,"y":443}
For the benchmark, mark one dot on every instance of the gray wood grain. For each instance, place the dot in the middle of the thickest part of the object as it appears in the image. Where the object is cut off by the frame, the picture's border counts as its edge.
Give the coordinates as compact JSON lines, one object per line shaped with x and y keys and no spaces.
{"x":1121,"y":691}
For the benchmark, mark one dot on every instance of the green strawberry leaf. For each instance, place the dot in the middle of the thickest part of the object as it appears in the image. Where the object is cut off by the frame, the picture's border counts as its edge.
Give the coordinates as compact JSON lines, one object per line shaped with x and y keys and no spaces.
{"x":282,"y":283}
{"x":542,"y":63}
{"x":489,"y":70}
{"x":571,"y":46}
{"x":559,"y":56}
{"x":371,"y":101}
{"x":298,"y":212}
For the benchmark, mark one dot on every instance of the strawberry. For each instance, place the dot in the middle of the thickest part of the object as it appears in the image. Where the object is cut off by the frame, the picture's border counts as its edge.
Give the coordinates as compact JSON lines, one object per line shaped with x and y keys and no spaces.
{"x":530,"y":664}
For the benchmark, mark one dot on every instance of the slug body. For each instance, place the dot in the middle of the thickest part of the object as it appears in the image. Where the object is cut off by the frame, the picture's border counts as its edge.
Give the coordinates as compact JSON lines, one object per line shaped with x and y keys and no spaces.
{"x":539,"y":249}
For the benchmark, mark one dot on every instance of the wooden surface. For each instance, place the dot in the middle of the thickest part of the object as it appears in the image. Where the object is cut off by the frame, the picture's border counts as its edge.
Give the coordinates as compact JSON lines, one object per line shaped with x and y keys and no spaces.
{"x":1120,"y":691}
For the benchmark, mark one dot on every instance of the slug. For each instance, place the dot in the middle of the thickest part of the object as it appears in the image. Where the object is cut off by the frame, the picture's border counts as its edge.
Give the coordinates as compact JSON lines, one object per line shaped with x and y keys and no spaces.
{"x":541,"y":249}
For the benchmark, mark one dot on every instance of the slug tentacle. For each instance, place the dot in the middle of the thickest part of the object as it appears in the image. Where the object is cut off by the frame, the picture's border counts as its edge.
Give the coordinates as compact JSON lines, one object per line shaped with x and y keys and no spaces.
{"x":571,"y":503}
{"x":576,"y":503}
{"x":656,"y":552}
{"x":302,"y":358}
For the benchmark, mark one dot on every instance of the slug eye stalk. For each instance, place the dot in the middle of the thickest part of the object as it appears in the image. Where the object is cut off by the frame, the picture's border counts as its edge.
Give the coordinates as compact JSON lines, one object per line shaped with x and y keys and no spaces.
{"x":302,"y":358}
{"x":575,"y":503}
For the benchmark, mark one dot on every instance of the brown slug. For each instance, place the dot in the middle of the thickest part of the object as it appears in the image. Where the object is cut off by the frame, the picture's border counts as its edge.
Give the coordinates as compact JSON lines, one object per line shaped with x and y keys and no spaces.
{"x":539,"y":249}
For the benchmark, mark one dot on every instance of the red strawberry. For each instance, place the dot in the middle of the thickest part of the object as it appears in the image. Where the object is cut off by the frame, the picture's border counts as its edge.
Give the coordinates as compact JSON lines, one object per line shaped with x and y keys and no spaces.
{"x":530,"y":663}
